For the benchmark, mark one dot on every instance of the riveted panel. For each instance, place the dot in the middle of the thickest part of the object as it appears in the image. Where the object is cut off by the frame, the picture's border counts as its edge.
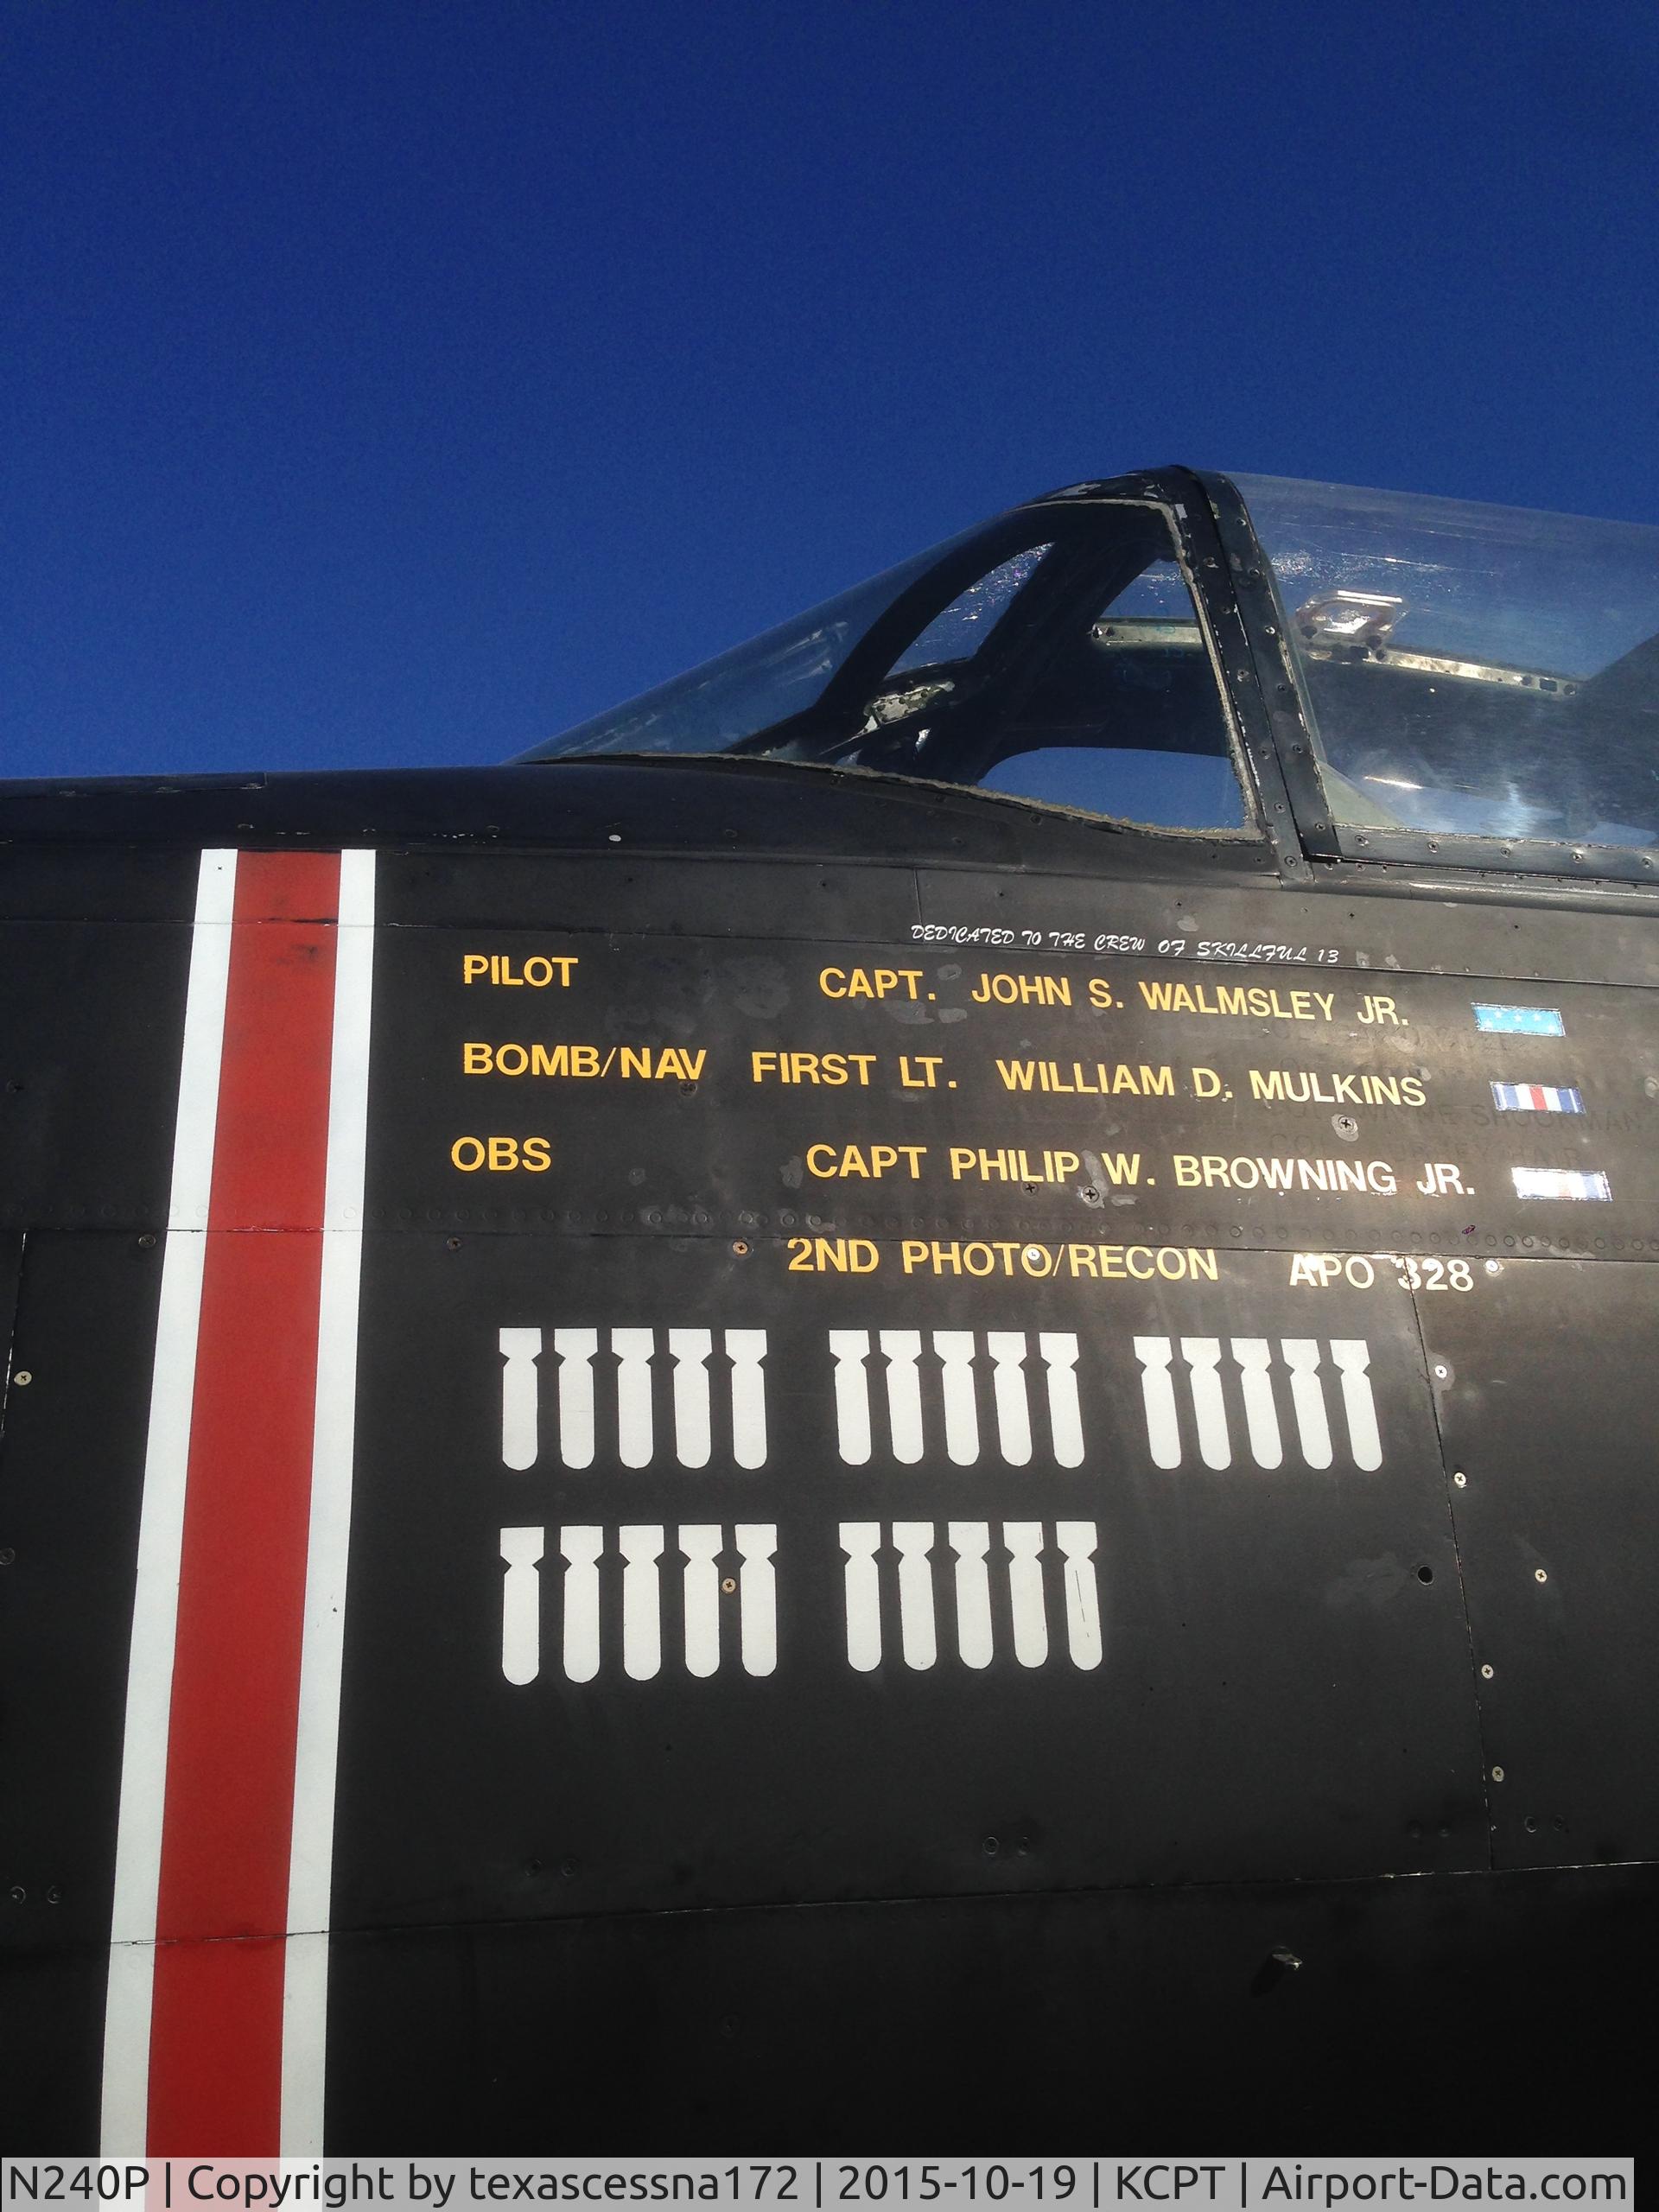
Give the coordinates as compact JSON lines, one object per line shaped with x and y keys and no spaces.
{"x":1550,"y":1411}
{"x":677,"y":1580}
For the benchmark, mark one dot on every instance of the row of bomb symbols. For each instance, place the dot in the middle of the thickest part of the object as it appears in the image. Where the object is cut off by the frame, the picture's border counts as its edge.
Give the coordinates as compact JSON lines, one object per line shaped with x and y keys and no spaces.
{"x":955,"y":1351}
{"x":630,"y":1557}
{"x":1004,"y":1582}
{"x":1000,"y":1395}
{"x":689,"y":1351}
{"x":1253,"y":1357}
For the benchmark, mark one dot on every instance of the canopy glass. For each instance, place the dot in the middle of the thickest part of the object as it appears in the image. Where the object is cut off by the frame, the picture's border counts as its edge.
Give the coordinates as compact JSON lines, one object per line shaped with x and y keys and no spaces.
{"x":1466,"y":672}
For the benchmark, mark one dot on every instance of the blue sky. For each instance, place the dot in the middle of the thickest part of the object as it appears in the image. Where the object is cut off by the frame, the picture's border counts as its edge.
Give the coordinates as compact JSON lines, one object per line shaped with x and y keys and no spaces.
{"x":391,"y":383}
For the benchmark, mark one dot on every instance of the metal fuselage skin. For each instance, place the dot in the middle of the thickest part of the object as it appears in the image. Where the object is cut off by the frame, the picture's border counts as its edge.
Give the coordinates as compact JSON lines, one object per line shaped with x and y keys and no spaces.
{"x":719,"y":1457}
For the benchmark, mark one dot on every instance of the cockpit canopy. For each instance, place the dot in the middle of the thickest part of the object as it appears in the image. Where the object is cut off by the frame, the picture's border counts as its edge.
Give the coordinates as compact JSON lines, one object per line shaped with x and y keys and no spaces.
{"x":1486,"y":678}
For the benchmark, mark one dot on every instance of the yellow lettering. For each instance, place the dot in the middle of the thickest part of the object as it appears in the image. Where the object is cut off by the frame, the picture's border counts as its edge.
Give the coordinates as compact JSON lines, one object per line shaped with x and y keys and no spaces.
{"x":501,"y":1155}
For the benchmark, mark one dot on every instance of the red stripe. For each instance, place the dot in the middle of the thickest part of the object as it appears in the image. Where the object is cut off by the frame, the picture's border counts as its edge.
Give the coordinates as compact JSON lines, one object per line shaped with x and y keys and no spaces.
{"x":215,"y":2067}
{"x":271,"y":1151}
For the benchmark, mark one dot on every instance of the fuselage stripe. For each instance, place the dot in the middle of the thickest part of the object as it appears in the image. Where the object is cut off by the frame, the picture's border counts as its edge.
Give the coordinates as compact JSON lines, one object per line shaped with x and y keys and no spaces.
{"x":236,"y":1760}
{"x":311,"y":1862}
{"x":125,"y":2092}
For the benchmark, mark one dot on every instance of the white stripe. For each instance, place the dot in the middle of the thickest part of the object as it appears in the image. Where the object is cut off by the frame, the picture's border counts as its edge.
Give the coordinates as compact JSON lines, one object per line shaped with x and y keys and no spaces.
{"x":125,"y":2120}
{"x":204,"y":1039}
{"x":305,"y":1986}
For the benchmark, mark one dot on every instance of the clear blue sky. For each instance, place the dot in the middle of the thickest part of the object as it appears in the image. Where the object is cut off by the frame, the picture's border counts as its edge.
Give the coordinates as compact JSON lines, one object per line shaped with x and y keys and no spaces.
{"x":391,"y":382}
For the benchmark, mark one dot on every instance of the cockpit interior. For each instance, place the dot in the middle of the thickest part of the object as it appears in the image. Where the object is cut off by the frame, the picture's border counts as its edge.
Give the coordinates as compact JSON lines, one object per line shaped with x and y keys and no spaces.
{"x":1464,"y":682}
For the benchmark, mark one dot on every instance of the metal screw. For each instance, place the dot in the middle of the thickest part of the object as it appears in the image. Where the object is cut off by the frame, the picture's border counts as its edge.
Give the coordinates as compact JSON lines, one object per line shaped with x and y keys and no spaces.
{"x":1497,"y":1774}
{"x":1494,"y":1266}
{"x":728,"y":1585}
{"x":1485,"y":1674}
{"x":1441,"y":1371}
{"x":452,"y":1244}
{"x":1538,"y":1574}
{"x":146,"y":1242}
{"x":1461,"y":1479}
{"x":740,"y":1250}
{"x":23,"y":1375}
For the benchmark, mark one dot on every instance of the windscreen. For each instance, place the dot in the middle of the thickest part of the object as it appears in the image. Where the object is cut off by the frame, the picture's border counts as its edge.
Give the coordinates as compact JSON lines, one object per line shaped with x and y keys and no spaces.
{"x":1472,"y":670}
{"x":1057,"y":655}
{"x":768,"y":680}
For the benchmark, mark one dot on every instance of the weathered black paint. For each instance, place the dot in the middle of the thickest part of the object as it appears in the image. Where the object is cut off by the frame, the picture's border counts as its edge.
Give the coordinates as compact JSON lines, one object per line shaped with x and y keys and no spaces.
{"x":1008,"y":1907}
